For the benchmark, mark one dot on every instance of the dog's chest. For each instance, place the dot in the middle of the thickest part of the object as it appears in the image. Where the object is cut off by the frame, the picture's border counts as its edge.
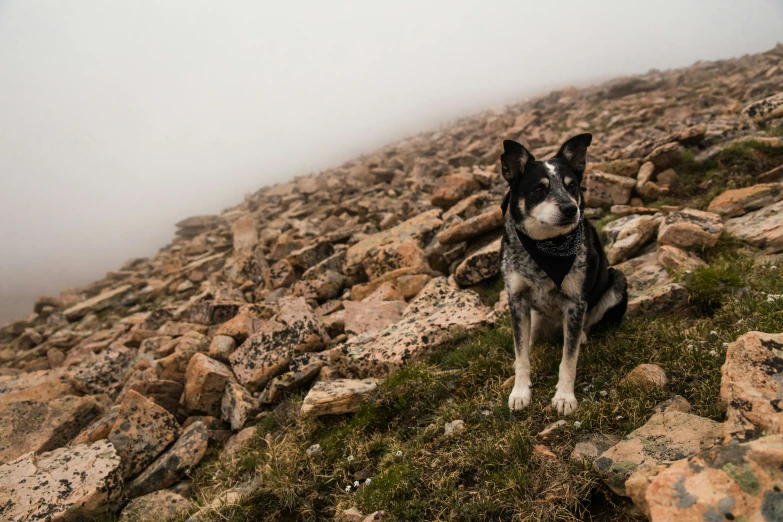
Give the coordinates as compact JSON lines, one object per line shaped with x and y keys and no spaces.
{"x":526,"y":280}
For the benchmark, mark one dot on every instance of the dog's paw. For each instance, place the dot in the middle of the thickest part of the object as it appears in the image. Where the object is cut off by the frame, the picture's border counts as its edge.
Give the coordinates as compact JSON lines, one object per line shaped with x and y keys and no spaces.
{"x":564,"y":403}
{"x":519,"y":398}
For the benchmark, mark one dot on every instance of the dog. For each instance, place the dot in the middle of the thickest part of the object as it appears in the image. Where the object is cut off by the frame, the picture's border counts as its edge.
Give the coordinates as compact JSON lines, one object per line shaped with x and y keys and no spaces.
{"x":553,"y":264}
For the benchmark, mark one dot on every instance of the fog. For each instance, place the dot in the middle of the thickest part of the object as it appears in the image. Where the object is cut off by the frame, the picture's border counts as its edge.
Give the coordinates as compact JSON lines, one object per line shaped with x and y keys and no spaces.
{"x":117,"y":119}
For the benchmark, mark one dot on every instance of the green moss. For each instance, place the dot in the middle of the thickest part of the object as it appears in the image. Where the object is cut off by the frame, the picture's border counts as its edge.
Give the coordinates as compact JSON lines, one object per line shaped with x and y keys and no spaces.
{"x":745,"y":477}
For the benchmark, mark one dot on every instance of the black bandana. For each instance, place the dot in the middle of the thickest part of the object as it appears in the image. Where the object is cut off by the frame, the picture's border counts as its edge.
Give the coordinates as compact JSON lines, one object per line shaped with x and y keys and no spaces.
{"x":554,"y":256}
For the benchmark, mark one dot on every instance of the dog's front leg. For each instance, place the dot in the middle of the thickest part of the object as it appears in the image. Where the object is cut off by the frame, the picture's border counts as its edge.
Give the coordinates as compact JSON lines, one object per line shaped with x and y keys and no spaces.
{"x":564,"y":400}
{"x":520,"y":324}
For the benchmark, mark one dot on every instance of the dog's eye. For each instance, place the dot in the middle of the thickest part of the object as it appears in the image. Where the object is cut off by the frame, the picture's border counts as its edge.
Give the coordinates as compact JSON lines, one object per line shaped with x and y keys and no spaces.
{"x":541,"y":186}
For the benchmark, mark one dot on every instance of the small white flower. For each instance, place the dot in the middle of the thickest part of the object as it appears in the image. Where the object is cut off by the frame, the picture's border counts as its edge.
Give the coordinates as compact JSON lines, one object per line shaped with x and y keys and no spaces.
{"x":350,"y":458}
{"x":770,"y":299}
{"x":577,"y":424}
{"x":740,"y":321}
{"x":714,"y":333}
{"x":356,"y":484}
{"x":713,"y":353}
{"x":773,"y":267}
{"x":603,"y":393}
{"x":367,"y":482}
{"x":399,"y":453}
{"x":725,"y":345}
{"x":690,"y":347}
{"x":348,"y":488}
{"x":687,"y":271}
{"x":619,"y":417}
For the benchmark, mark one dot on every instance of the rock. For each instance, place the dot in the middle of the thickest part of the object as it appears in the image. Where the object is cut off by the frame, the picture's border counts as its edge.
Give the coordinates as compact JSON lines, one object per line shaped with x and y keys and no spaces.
{"x":290,"y":382}
{"x":665,"y":156}
{"x":738,"y":202}
{"x":104,"y":373}
{"x":692,"y":135}
{"x":591,"y":446}
{"x":281,"y":275}
{"x":174,"y":366}
{"x":395,"y":256}
{"x":677,"y":259}
{"x":221,"y":347}
{"x":163,"y":393}
{"x":388,"y":291}
{"x":237,"y":406}
{"x":245,"y":233}
{"x":141,"y":432}
{"x":95,"y":304}
{"x":664,"y":299}
{"x":352,"y":515}
{"x":621,"y":167}
{"x":762,"y":228}
{"x":752,"y":385}
{"x":161,"y":505}
{"x":99,"y":429}
{"x":196,"y":225}
{"x":238,"y":445}
{"x":670,"y":434}
{"x":769,"y":108}
{"x":377,"y":515}
{"x":429,"y":320}
{"x":628,"y":235}
{"x":205,"y":381}
{"x":647,"y":375}
{"x":453,"y":427}
{"x":451,"y":189}
{"x":213,"y":312}
{"x":311,"y":255}
{"x":336,"y":397}
{"x":476,"y":226}
{"x":248,"y":320}
{"x":267,"y":353}
{"x":605,"y":190}
{"x":479,"y":264}
{"x":688,"y":228}
{"x":323,"y":287}
{"x":334,"y":324}
{"x":64,"y":484}
{"x":172,"y":465}
{"x":734,"y":482}
{"x":313,"y":451}
{"x":371,"y":315}
{"x":32,"y":426}
{"x":421,"y":228}
{"x":408,"y":285}
{"x":627,"y":210}
{"x":543,"y":451}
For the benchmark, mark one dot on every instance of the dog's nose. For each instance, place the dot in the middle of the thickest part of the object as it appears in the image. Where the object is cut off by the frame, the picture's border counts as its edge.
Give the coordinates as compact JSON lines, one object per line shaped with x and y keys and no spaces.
{"x":568,"y":210}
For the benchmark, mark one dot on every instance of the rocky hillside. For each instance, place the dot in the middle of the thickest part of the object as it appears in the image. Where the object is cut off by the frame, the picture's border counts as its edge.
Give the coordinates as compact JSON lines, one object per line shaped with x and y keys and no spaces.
{"x":338,"y":347}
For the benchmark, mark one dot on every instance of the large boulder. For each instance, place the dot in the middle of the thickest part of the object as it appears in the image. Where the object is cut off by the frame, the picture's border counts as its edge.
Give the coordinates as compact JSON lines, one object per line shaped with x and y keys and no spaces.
{"x":336,"y":397}
{"x":762,"y":228}
{"x":395,"y":256}
{"x":368,"y":315}
{"x":480,"y":263}
{"x":752,"y":385}
{"x":605,"y":190}
{"x":205,"y":382}
{"x":105,"y":372}
{"x":628,"y":235}
{"x":734,"y":482}
{"x":689,"y":228}
{"x":451,"y":189}
{"x":670,"y":434}
{"x":172,"y":465}
{"x":651,"y":289}
{"x":430,"y":319}
{"x":65,"y":484}
{"x":141,"y":432}
{"x":737,"y":202}
{"x":35,"y":426}
{"x":473,"y":227}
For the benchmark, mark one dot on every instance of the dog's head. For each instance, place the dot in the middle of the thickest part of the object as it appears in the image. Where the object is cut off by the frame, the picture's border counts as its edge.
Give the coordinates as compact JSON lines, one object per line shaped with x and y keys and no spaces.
{"x":546,"y":196}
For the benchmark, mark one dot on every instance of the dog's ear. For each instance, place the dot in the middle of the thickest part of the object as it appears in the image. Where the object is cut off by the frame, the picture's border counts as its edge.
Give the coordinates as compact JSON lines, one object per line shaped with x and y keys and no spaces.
{"x":574,"y":151}
{"x":514,"y":159}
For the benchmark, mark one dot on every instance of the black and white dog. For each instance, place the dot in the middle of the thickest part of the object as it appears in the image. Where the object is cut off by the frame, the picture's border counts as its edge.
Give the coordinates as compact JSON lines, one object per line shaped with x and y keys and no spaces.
{"x":553,"y":263}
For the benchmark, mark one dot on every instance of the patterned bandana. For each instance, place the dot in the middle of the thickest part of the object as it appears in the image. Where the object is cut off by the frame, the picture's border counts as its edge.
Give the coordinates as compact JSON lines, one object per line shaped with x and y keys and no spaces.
{"x":554,"y":256}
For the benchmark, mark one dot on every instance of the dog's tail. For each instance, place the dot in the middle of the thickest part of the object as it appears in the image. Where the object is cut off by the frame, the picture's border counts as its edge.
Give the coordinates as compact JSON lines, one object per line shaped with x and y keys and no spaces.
{"x":610,"y":309}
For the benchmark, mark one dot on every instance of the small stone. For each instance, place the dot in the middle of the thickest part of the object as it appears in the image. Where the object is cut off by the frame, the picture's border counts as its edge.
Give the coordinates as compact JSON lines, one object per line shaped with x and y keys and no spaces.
{"x":313,"y":451}
{"x":762,"y":228}
{"x":238,"y":405}
{"x":481,"y":263}
{"x":688,"y":228}
{"x":454,"y":427}
{"x":221,"y":347}
{"x":238,"y":445}
{"x":205,"y":382}
{"x":352,"y":515}
{"x":737,"y":202}
{"x":677,"y":259}
{"x":591,"y":446}
{"x":628,"y":235}
{"x":665,"y":156}
{"x":552,"y":431}
{"x":647,"y":375}
{"x":160,"y":505}
{"x":543,"y":451}
{"x":451,"y":189}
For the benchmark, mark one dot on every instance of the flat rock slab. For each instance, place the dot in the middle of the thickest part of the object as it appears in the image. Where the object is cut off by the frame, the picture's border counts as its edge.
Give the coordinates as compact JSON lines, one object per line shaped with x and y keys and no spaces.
{"x":169,"y":468}
{"x":100,"y":302}
{"x":366,"y":316}
{"x":161,"y":505}
{"x":479,"y":264}
{"x":762,"y":228}
{"x":752,"y":385}
{"x":336,"y":397}
{"x":605,"y":190}
{"x":436,"y":314}
{"x":766,"y":109}
{"x":104,"y":373}
{"x":475,"y":226}
{"x":629,"y":234}
{"x":734,"y":482}
{"x":737,"y":202}
{"x":141,"y":432}
{"x":689,"y":228}
{"x":64,"y":484}
{"x":650,"y":287}
{"x":670,"y":434}
{"x":27,"y":426}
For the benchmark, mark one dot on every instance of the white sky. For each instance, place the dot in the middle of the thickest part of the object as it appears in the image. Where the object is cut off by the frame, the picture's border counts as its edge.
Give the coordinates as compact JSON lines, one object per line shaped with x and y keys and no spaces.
{"x":117,"y":119}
